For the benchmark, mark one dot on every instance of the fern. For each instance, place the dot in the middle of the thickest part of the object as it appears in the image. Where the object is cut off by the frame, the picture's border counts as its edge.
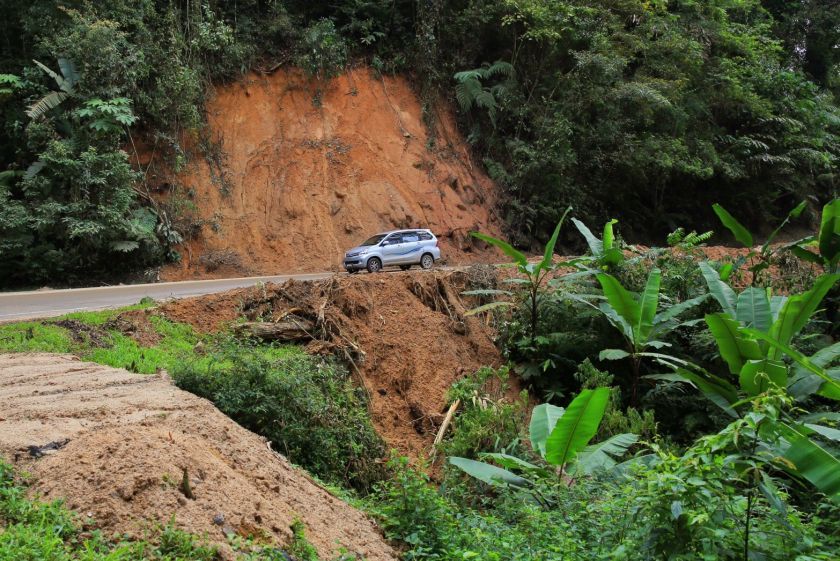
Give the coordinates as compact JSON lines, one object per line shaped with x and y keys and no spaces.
{"x":470,"y":92}
{"x":679,"y":238}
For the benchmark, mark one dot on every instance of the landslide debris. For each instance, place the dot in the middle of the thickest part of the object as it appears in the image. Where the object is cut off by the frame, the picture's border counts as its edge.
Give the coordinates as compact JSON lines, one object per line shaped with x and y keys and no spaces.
{"x":404,"y":335}
{"x":131,"y":450}
{"x":282,"y":181}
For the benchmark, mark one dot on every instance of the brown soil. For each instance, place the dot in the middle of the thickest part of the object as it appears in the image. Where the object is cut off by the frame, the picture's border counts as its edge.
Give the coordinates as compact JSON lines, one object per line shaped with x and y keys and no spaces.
{"x":135,"y":324}
{"x":117,"y":446}
{"x":83,"y":333}
{"x":283,"y":184}
{"x":405,"y":333}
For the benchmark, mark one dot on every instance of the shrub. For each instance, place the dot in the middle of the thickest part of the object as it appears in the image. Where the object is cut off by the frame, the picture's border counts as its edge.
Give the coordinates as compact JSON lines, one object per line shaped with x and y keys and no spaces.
{"x":488,"y":421}
{"x":308,"y":408}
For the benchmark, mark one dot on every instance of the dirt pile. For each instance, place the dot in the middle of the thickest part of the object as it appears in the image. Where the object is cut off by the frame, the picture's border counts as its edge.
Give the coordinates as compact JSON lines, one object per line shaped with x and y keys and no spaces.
{"x":292,"y":173}
{"x":404,"y":334}
{"x":116,"y":445}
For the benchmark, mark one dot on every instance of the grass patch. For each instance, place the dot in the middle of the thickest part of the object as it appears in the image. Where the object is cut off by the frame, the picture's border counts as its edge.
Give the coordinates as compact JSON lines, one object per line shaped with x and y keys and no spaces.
{"x":177,"y":342}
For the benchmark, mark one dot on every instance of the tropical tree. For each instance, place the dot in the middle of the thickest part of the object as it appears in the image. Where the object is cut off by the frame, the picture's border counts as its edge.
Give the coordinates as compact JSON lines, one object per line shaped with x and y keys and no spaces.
{"x":535,"y":274}
{"x":638,"y":319}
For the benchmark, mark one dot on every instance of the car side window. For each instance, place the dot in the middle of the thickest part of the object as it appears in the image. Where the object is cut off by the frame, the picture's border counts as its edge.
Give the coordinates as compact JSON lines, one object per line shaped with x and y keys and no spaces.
{"x":393,"y":239}
{"x":425,"y":236}
{"x":411,"y":237}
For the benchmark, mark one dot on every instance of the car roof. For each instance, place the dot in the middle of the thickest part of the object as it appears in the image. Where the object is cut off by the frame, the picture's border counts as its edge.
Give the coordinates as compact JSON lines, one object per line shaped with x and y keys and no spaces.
{"x":406,"y":230}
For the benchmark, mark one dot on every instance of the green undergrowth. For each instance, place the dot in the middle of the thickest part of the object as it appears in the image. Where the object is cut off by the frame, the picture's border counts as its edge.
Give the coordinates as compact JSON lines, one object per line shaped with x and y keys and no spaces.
{"x":99,"y":341}
{"x":308,"y":407}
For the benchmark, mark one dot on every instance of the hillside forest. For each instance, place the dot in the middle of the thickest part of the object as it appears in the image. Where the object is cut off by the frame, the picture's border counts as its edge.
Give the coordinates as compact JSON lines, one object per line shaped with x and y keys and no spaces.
{"x":648,"y":110}
{"x":653,"y":398}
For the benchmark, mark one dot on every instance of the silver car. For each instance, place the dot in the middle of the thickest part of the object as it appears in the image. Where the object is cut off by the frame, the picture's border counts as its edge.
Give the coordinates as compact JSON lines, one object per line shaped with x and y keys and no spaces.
{"x":397,"y":247}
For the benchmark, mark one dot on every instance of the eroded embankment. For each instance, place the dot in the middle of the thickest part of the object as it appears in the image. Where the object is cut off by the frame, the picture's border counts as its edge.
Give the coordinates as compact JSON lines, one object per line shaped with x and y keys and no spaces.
{"x":404,"y":334}
{"x":293,"y":172}
{"x":124,"y":441}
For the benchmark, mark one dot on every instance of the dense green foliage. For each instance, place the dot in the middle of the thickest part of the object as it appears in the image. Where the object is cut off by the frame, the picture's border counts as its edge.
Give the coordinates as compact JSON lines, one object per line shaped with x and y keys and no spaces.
{"x":712,"y":436}
{"x":294,"y":401}
{"x":654,"y":109}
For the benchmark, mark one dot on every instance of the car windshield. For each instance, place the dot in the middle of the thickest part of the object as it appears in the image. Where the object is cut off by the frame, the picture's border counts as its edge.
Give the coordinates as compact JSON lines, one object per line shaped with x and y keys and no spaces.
{"x":373,"y":241}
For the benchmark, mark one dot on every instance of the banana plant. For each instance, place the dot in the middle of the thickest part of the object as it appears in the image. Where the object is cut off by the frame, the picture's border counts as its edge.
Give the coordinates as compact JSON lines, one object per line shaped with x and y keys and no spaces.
{"x":758,"y":260}
{"x":755,"y":329}
{"x":603,"y":253}
{"x":753,"y":336}
{"x":534,"y":273}
{"x":560,"y":437}
{"x":826,"y":242}
{"x":638,"y":319}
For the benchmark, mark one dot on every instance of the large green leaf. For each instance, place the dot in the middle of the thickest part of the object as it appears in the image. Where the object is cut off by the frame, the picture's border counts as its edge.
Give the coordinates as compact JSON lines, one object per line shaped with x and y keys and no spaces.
{"x":830,"y":233}
{"x":613,"y":354}
{"x":648,"y":303}
{"x":549,"y":247}
{"x":512,"y":462}
{"x":621,"y":300}
{"x":738,"y":230}
{"x":795,"y":213}
{"x":577,"y":426}
{"x":798,"y":309}
{"x":753,"y":309}
{"x":830,"y":387}
{"x":826,"y":432}
{"x":717,"y":390}
{"x":602,"y":455}
{"x":802,"y":253}
{"x":734,"y":348}
{"x":45,"y":104}
{"x":488,"y":473}
{"x":756,"y":376}
{"x":804,"y":382}
{"x":543,"y":419}
{"x":596,"y":246}
{"x":677,"y":309}
{"x":616,"y":320}
{"x":487,"y":307}
{"x":812,"y":462}
{"x":721,"y":291}
{"x":506,"y":248}
{"x":609,"y":237}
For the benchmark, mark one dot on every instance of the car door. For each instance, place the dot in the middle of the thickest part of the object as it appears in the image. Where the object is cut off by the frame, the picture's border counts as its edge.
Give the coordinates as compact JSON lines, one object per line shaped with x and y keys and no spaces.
{"x":391,"y":248}
{"x":410,"y":248}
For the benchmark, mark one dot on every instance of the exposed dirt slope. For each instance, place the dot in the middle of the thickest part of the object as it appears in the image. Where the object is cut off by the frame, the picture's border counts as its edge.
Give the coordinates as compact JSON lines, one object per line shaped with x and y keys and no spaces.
{"x":406,"y":332}
{"x":306,"y":180}
{"x":131,"y":436}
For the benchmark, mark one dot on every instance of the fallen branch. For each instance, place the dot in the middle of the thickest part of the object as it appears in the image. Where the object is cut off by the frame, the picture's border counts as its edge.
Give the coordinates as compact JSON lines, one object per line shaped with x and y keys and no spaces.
{"x":445,"y":425}
{"x":293,"y":329}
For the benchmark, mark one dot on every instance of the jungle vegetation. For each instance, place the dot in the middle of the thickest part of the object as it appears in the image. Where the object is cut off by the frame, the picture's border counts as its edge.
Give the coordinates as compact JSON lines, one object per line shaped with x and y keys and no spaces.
{"x":657,"y":109}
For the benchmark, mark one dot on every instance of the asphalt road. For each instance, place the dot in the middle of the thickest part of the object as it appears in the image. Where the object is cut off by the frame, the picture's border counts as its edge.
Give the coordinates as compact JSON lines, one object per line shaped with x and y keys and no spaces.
{"x":45,"y":303}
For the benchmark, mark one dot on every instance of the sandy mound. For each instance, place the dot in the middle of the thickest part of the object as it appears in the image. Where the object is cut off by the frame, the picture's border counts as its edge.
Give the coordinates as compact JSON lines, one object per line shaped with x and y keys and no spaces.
{"x":285,"y":182}
{"x":129,"y":439}
{"x":406,"y":332}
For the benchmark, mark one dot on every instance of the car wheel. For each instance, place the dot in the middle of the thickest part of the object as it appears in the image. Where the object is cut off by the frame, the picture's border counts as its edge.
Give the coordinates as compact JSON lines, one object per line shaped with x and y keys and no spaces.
{"x":374,"y":265}
{"x":405,"y":267}
{"x":427,"y":261}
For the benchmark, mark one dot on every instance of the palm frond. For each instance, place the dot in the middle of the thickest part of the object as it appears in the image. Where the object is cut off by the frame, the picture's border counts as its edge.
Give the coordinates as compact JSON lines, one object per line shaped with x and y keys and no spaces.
{"x":46,"y":103}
